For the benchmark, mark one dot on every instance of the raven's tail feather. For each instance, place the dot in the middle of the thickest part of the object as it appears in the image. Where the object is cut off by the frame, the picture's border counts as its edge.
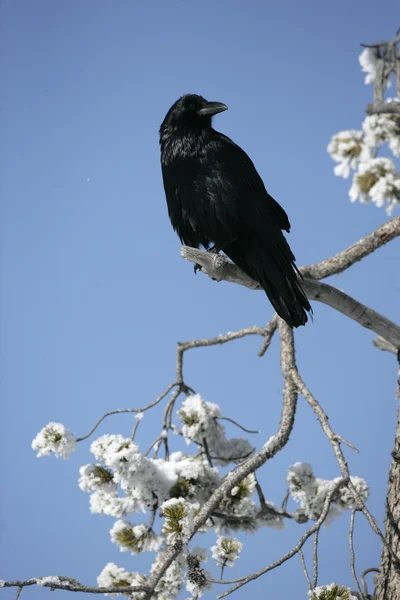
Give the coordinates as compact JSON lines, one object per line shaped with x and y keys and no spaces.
{"x":277,"y":274}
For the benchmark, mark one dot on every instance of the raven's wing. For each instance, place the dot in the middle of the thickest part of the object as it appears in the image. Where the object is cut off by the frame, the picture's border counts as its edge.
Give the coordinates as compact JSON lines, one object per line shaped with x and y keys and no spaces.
{"x":255,"y":203}
{"x":261,"y":250}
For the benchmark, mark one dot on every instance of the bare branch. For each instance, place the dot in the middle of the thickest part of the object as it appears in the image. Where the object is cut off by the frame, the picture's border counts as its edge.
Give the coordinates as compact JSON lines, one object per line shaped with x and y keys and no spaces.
{"x":364,"y":316}
{"x":364,"y":583}
{"x":351,"y":446}
{"x":270,"y":330}
{"x":17,"y":595}
{"x":218,"y":267}
{"x":333,"y":438}
{"x":332,"y":266}
{"x":383,"y":108}
{"x":206,"y":450}
{"x":127,"y":410}
{"x":304,"y":567}
{"x":134,"y":430}
{"x":345,"y":259}
{"x":222,"y":269}
{"x":352,"y":555}
{"x":315,"y":559}
{"x":384,"y":345}
{"x":237,"y":424}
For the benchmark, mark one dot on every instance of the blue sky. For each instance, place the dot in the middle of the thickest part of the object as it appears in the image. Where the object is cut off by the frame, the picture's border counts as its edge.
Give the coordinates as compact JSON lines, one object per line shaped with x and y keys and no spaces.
{"x":94,"y":295}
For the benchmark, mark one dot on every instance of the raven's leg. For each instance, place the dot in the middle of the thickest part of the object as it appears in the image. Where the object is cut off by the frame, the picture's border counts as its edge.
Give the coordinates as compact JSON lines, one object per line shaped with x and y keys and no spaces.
{"x":214,"y":250}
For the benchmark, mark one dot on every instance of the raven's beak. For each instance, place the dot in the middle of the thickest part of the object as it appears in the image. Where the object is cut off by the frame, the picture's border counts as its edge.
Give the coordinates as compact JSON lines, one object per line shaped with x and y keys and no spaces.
{"x":211,"y":108}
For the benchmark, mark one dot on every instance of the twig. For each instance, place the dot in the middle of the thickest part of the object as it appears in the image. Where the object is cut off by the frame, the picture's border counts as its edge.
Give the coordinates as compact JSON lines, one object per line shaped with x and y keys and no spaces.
{"x":304,"y":567}
{"x":324,"y":421}
{"x":363,"y":581}
{"x":269,"y":334}
{"x":17,"y":595}
{"x":345,"y":259}
{"x":152,"y":518}
{"x":231,"y":458}
{"x":317,"y":525}
{"x":214,"y":341}
{"x":134,"y":430}
{"x":384,"y":345}
{"x":352,"y":555}
{"x":167,"y":417}
{"x":237,"y":424}
{"x":352,"y":308}
{"x":260,"y":492}
{"x":315,"y":559}
{"x":206,"y":450}
{"x":157,"y":441}
{"x":128,"y":410}
{"x":351,"y":446}
{"x":285,"y":501}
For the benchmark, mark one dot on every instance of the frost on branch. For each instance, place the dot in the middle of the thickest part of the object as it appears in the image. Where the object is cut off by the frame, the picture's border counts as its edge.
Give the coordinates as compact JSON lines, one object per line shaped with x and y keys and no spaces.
{"x":311,"y":493}
{"x":348,"y":149}
{"x":113,"y":576}
{"x":331,"y":592}
{"x":197,"y":578}
{"x":376,"y":180}
{"x":200,"y":421}
{"x":171,"y":490}
{"x":42,"y":581}
{"x":172,"y":581}
{"x":381,"y":129}
{"x":226,"y":551}
{"x":373,"y":64}
{"x":54,"y":438}
{"x":134,"y":538}
{"x":178,"y":514}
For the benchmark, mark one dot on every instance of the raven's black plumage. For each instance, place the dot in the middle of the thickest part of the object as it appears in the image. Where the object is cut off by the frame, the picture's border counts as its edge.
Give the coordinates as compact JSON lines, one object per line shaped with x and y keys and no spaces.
{"x":216,"y":197}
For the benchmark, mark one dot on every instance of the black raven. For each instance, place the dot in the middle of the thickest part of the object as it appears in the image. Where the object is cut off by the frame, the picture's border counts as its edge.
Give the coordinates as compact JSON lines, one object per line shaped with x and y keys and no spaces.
{"x":216,"y":197}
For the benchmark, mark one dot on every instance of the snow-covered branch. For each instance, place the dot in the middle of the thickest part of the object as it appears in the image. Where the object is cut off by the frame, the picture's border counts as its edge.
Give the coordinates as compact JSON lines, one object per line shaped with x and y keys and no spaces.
{"x":69,"y":584}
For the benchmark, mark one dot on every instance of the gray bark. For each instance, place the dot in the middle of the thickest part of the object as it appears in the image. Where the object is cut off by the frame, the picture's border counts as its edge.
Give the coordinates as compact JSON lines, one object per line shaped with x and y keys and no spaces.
{"x":388,"y":581}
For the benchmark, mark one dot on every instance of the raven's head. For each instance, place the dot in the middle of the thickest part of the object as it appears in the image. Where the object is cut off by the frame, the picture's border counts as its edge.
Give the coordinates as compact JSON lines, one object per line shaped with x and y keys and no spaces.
{"x":192,"y":111}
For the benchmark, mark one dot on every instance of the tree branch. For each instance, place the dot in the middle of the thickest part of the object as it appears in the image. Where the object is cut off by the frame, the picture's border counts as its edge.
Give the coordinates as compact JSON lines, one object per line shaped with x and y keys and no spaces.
{"x":219,"y":268}
{"x":383,"y":108}
{"x":347,"y":305}
{"x":272,"y":447}
{"x":331,"y":266}
{"x":315,"y":527}
{"x":348,"y":257}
